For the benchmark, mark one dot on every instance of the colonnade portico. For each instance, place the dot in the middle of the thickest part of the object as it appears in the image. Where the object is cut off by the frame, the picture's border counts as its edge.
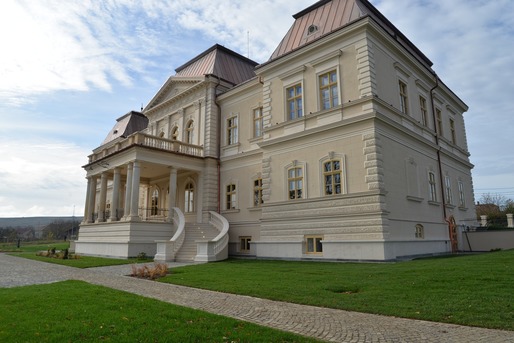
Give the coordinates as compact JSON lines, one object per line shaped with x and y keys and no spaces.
{"x":131,"y":198}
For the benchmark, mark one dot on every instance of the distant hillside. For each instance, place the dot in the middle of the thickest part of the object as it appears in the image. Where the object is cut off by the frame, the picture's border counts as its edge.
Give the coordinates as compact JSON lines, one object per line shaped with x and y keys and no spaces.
{"x":36,"y":222}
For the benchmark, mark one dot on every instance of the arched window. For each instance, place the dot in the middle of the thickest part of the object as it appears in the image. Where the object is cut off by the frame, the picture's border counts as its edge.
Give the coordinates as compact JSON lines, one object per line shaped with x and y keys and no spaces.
{"x":189,"y":198}
{"x":154,"y":206}
{"x":189,"y":132}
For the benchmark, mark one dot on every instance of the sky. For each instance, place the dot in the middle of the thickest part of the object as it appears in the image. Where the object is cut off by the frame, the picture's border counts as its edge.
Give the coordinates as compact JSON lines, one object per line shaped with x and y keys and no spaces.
{"x":70,"y":68}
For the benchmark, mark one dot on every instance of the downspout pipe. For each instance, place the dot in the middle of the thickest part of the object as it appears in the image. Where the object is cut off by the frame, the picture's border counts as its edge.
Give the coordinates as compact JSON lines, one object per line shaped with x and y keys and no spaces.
{"x":218,"y":138}
{"x":438,"y":152}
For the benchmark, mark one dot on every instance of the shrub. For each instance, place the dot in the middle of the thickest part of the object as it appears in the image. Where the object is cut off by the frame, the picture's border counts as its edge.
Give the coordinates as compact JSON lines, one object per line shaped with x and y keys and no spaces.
{"x":150,"y":272}
{"x":142,"y":256}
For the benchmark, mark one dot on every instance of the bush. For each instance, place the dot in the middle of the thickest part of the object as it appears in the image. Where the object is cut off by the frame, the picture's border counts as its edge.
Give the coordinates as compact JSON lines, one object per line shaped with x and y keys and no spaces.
{"x":150,"y":272}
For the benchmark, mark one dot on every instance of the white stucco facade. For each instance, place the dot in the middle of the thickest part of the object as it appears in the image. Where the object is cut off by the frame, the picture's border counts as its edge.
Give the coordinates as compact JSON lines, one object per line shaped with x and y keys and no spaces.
{"x":346,"y":147}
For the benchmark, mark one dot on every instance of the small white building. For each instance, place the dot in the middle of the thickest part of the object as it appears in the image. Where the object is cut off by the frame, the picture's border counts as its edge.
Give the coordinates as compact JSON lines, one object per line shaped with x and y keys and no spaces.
{"x":344,"y":145}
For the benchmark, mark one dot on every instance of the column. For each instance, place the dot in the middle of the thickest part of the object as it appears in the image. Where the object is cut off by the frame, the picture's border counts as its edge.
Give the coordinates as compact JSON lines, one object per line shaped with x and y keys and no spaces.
{"x":115,"y":200}
{"x":134,"y":203}
{"x":91,"y":201}
{"x":172,"y":196}
{"x":103,"y":197}
{"x":128,"y":191}
{"x":510,"y":220}
{"x":199,"y":198}
{"x":86,"y":205}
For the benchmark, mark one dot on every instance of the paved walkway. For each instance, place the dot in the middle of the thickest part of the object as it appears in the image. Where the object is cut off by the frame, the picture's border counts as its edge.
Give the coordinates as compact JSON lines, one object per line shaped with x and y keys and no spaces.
{"x":325,"y":324}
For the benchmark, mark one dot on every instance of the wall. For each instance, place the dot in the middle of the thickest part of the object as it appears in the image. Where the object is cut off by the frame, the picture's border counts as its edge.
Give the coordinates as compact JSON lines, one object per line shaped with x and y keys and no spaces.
{"x":488,"y":240}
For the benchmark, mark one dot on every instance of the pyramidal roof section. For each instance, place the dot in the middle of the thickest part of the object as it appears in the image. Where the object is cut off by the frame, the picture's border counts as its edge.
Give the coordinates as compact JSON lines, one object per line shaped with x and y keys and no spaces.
{"x":327,"y":16}
{"x":126,"y":125}
{"x":221,"y":62}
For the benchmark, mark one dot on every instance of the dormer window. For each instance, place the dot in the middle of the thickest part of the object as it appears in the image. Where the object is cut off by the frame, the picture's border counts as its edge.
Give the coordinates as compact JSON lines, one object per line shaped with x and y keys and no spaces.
{"x":313,"y":28}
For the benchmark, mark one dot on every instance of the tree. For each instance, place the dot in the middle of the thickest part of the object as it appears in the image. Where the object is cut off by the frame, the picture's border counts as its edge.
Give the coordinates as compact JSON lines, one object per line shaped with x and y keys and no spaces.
{"x":58,"y":229}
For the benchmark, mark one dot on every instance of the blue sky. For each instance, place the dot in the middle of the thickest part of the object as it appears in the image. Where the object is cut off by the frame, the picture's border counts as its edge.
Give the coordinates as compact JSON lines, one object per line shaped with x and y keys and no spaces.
{"x":68,"y":69}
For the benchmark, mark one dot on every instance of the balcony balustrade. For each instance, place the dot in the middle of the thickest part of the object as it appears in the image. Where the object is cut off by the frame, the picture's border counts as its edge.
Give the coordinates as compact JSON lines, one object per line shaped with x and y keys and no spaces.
{"x":145,"y":140}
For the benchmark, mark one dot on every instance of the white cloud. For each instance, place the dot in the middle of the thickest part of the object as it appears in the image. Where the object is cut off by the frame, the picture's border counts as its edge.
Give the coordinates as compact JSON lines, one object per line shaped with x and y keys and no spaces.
{"x":40,"y":178}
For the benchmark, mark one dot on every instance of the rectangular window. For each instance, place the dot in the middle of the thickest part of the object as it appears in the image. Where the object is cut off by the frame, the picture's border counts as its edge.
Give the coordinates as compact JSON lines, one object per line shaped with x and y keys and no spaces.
{"x":231,"y":197}
{"x":257,"y":122}
{"x":462,"y":199}
{"x":332,"y":177}
{"x":423,"y":108}
{"x":439,"y":118}
{"x":295,"y":182}
{"x":328,"y":92}
{"x":257,"y":192}
{"x":432,"y":187}
{"x":313,"y":244}
{"x":452,"y":131}
{"x":245,"y":244}
{"x":294,"y":102}
{"x":420,"y":231}
{"x":448,"y":186}
{"x":232,"y":130}
{"x":403,"y":97}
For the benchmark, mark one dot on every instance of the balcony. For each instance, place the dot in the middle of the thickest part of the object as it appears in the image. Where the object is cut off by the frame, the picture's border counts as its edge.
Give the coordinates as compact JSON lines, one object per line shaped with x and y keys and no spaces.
{"x":145,"y":140}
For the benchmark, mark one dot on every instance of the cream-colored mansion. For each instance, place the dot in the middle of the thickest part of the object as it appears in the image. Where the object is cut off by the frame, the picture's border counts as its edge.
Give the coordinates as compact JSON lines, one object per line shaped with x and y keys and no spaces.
{"x":344,"y":145}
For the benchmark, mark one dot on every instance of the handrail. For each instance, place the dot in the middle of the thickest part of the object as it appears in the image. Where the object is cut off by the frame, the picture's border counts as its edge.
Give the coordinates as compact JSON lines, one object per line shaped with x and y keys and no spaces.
{"x":221,"y":240}
{"x":180,"y":221}
{"x":167,"y":250}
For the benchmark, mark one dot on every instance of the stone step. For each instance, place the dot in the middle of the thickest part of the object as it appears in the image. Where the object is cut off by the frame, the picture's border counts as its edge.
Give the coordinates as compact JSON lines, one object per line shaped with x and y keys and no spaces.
{"x":194,"y":232}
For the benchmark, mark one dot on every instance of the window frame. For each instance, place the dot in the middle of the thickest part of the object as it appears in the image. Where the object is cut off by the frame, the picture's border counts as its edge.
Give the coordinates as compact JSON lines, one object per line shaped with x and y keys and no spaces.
{"x":154,"y":202}
{"x":190,"y":132}
{"x":448,"y":190}
{"x":258,"y":122}
{"x":296,"y":99}
{"x":244,"y":244}
{"x":189,"y":201}
{"x":316,"y":239}
{"x":296,"y":179}
{"x":453,"y":135}
{"x":231,"y":196}
{"x":232,"y":130}
{"x":404,"y":97}
{"x":419,"y":231}
{"x":432,"y":187}
{"x":332,"y":173}
{"x":424,"y":111}
{"x":462,"y":197}
{"x":332,"y":86}
{"x":257,"y":192}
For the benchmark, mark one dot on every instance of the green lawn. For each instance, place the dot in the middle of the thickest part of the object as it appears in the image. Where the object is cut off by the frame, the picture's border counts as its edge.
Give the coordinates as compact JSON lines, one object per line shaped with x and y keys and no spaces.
{"x":33,"y":246}
{"x":474,"y":290}
{"x":74,"y":311}
{"x":29,"y":251}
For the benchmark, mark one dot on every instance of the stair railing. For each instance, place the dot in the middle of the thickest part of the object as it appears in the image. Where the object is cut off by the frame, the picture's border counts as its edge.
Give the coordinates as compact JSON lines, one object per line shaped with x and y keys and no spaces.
{"x":217,"y":248}
{"x":167,"y":250}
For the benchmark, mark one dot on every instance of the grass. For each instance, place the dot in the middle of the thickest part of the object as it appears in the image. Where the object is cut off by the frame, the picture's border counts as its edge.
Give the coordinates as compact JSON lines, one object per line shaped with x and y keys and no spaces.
{"x":74,"y":311}
{"x":29,"y":251}
{"x":473,"y":290}
{"x":33,"y":247}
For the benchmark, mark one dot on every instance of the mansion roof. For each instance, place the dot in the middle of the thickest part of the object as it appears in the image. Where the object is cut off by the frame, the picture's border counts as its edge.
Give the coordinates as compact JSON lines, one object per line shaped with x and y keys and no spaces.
{"x":126,"y":125}
{"x":221,"y":62}
{"x":327,"y":16}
